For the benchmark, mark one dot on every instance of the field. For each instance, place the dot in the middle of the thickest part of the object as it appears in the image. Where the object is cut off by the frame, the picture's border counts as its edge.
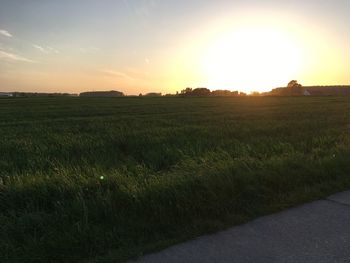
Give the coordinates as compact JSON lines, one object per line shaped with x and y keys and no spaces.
{"x":105,"y":180}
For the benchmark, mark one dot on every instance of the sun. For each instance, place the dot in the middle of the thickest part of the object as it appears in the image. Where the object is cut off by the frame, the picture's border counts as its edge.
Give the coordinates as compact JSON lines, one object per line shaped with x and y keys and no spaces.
{"x":252,"y":59}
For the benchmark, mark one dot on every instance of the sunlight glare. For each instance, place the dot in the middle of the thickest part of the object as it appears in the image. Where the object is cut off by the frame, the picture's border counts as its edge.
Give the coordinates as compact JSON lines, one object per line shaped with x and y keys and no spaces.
{"x":252,"y":59}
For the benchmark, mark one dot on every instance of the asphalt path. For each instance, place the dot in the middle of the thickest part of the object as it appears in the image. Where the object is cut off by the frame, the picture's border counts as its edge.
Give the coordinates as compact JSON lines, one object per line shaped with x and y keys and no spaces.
{"x":315,"y":232}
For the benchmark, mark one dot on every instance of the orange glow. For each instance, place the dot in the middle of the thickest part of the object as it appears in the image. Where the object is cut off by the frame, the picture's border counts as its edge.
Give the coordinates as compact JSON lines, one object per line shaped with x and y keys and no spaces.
{"x":252,"y":58}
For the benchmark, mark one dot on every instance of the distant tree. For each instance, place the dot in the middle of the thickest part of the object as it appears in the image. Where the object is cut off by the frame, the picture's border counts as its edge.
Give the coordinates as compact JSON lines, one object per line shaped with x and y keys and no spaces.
{"x":140,"y":95}
{"x":255,"y":93}
{"x":204,"y":92}
{"x":200,"y":92}
{"x":294,"y":88}
{"x":224,"y":93}
{"x":153,"y":94}
{"x":293,"y":84}
{"x":186,"y":91}
{"x":111,"y":93}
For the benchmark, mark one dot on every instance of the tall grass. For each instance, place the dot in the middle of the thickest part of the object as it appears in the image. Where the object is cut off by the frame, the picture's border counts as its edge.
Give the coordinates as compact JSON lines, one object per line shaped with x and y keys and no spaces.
{"x":102,"y":180}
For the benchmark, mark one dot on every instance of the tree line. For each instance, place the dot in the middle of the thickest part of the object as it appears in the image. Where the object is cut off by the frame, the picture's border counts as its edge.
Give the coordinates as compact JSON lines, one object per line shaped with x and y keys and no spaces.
{"x":204,"y":92}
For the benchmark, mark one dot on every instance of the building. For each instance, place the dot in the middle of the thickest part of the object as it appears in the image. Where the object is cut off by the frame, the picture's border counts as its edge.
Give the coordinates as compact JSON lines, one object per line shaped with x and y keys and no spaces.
{"x":6,"y":94}
{"x":326,"y":91}
{"x":310,"y":91}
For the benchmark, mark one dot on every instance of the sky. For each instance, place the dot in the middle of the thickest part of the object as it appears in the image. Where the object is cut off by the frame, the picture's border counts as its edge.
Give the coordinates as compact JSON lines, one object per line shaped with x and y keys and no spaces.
{"x":140,"y":46}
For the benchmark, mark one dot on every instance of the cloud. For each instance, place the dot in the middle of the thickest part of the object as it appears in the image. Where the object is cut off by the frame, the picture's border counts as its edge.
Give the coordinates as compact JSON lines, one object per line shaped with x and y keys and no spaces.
{"x":40,"y":48}
{"x":53,"y":50}
{"x":118,"y":74}
{"x":13,"y":57}
{"x":46,"y":50}
{"x":5,"y":33}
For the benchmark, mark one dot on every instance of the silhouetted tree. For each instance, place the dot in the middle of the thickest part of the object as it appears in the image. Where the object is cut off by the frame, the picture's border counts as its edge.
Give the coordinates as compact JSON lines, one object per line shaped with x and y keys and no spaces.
{"x":293,"y":84}
{"x":224,"y":93}
{"x":294,"y":88}
{"x":186,"y":91}
{"x":255,"y":93}
{"x":153,"y":94}
{"x":111,"y":93}
{"x":200,"y":92}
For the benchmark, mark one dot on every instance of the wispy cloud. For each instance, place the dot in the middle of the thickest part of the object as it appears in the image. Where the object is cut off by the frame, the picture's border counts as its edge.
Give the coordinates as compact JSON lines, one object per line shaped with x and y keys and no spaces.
{"x":51,"y":49}
{"x":40,"y":48}
{"x":118,"y":74}
{"x":14,"y":57}
{"x":46,"y":50}
{"x":5,"y":33}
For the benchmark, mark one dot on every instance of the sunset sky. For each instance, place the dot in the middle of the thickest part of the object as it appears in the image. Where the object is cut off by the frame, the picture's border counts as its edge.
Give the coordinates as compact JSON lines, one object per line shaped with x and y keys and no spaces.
{"x":139,"y":46}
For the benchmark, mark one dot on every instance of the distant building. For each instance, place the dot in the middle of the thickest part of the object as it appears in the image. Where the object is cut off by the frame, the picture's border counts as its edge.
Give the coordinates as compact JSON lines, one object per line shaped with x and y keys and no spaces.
{"x":311,"y":91}
{"x":107,"y":94}
{"x":5,"y":94}
{"x":306,"y":93}
{"x":327,"y":91}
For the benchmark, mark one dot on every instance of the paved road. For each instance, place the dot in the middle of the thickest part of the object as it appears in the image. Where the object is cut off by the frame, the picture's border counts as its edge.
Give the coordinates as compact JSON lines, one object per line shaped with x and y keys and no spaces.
{"x":316,"y":232}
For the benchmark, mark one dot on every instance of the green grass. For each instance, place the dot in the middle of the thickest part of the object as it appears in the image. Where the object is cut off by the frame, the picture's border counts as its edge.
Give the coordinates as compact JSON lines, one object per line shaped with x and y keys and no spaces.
{"x":106,"y":180}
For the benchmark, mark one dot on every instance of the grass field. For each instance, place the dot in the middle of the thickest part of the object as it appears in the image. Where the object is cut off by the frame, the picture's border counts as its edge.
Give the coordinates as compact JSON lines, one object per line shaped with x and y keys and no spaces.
{"x":101,"y":180}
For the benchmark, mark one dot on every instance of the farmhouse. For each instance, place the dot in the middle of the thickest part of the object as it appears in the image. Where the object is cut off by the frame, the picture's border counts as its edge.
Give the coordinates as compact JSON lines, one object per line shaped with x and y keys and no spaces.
{"x":326,"y":91}
{"x":5,"y":94}
{"x":310,"y":91}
